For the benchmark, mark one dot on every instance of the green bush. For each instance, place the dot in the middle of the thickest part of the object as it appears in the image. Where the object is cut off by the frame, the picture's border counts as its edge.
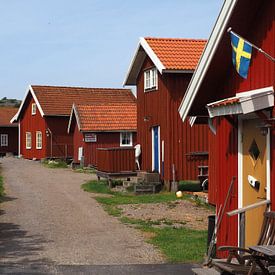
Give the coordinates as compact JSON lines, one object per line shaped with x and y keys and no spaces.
{"x":192,"y":186}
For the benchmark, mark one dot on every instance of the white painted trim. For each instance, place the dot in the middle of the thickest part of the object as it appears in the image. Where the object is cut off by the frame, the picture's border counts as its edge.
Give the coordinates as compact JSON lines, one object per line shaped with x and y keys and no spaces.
{"x":30,"y":89}
{"x":26,"y":141}
{"x":268,"y":165}
{"x":152,"y":55}
{"x":36,"y":140}
{"x":19,"y":138}
{"x":6,"y":139}
{"x":131,"y":65}
{"x":206,"y":58}
{"x":74,"y":111}
{"x":153,"y":148}
{"x":148,"y":50}
{"x":240,"y":168}
{"x":131,"y":139}
{"x":240,"y":171}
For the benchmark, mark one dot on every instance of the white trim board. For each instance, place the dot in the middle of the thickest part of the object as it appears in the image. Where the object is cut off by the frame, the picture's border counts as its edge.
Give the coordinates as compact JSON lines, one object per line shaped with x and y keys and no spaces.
{"x":29,"y":90}
{"x":206,"y":58}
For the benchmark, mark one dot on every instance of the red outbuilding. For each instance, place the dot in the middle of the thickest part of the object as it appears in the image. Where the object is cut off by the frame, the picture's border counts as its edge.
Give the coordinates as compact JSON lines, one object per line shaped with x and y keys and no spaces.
{"x":108,"y":125}
{"x":241,"y":113}
{"x":44,"y":114}
{"x":8,"y":131}
{"x":161,"y":70}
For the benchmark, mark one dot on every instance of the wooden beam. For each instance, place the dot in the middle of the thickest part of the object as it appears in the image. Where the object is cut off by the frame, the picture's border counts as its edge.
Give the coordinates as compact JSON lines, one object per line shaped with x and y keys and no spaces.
{"x":248,"y":207}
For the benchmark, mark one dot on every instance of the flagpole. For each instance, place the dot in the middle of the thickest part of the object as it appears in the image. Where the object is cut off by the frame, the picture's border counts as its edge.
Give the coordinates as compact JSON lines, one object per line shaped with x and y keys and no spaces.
{"x":229,"y":30}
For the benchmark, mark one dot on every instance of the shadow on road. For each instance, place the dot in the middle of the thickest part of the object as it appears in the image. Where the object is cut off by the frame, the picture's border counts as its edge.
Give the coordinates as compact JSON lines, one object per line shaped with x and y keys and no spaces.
{"x":16,"y":247}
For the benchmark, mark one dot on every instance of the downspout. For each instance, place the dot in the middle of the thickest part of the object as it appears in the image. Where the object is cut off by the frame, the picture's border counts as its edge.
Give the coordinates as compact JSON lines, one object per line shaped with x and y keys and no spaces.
{"x":19,"y":140}
{"x":49,"y":131}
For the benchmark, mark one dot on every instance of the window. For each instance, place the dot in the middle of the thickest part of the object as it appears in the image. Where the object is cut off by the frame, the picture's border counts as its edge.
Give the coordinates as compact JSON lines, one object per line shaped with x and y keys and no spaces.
{"x":4,"y":140}
{"x":28,"y":140}
{"x":126,"y":139}
{"x":33,"y":109}
{"x":38,"y":140}
{"x":150,"y":79}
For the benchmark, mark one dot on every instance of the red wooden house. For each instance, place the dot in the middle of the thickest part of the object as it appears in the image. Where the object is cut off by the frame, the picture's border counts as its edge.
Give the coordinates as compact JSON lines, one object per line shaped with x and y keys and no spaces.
{"x":44,"y":114}
{"x":8,"y":131}
{"x":242,"y":116}
{"x":102,"y":126}
{"x":161,"y":70}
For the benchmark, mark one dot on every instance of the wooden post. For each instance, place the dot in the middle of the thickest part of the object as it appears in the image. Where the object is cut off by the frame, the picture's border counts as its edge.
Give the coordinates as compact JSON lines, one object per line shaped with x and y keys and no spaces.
{"x":242,"y":229}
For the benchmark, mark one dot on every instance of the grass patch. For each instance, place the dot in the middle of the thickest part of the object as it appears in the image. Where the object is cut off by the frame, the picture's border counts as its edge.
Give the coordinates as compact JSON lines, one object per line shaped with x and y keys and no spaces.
{"x":180,"y":244}
{"x":177,"y":244}
{"x":192,"y":186}
{"x":97,"y":186}
{"x":85,"y":170}
{"x":58,"y":163}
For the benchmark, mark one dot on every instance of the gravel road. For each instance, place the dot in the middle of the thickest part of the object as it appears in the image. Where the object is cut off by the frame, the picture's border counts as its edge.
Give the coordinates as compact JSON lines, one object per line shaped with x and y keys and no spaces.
{"x":47,"y":219}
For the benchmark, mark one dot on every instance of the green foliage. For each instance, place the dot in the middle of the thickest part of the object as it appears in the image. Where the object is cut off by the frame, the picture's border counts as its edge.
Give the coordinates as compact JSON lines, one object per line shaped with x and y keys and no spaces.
{"x":85,"y":170}
{"x":58,"y":163}
{"x":97,"y":186}
{"x":192,"y":186}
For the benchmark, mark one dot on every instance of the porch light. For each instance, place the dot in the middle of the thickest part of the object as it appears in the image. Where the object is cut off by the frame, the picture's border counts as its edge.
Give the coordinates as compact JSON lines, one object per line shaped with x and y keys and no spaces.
{"x":264,"y":128}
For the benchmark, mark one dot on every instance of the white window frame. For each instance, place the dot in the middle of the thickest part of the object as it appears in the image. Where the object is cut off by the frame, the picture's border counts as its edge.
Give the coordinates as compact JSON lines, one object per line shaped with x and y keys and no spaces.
{"x":28,"y":140}
{"x":4,"y":140}
{"x":122,"y":138}
{"x":34,"y":107}
{"x":38,"y":140}
{"x":150,"y":80}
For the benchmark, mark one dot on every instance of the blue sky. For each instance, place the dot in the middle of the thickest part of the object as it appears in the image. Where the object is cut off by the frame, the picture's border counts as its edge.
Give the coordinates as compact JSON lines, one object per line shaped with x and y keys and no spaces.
{"x":87,"y":43}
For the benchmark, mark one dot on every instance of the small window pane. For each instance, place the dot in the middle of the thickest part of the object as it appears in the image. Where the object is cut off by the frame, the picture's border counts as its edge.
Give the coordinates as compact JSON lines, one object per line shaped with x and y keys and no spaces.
{"x":33,"y":109}
{"x":254,"y":150}
{"x":38,"y":140}
{"x":4,"y":140}
{"x":126,"y":139}
{"x":28,"y":140}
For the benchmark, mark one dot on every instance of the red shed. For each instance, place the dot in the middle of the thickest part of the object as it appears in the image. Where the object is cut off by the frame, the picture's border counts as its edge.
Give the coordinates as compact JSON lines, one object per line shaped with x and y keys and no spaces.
{"x":241,"y":113}
{"x":8,"y":131}
{"x":161,"y":70}
{"x":102,"y":126}
{"x":44,"y":114}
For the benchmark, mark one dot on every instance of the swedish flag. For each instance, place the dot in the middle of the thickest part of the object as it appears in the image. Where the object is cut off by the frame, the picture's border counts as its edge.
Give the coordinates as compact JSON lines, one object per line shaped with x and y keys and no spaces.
{"x":241,"y":54}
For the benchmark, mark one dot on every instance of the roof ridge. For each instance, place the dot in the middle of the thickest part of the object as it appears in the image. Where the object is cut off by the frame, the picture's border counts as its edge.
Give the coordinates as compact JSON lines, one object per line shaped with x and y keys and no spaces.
{"x":175,"y":39}
{"x":78,"y":87}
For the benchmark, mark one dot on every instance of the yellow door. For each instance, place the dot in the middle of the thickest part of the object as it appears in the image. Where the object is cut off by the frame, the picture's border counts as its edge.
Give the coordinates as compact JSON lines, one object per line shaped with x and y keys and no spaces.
{"x":254,"y":165}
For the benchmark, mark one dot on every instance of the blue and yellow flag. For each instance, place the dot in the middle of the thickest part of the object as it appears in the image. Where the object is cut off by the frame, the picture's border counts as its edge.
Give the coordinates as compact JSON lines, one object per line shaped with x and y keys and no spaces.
{"x":241,"y":54}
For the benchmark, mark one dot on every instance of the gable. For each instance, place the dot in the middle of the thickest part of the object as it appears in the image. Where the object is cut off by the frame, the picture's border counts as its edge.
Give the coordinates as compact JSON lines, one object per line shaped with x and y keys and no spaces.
{"x":215,"y":78}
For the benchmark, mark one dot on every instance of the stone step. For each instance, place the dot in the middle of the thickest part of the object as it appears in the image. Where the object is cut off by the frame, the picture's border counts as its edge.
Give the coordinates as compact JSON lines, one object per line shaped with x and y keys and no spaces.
{"x":147,"y":188}
{"x":205,"y":271}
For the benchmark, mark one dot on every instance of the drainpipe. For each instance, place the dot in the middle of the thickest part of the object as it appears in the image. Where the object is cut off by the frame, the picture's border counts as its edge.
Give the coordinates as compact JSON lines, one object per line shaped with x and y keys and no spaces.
{"x":50,"y":132}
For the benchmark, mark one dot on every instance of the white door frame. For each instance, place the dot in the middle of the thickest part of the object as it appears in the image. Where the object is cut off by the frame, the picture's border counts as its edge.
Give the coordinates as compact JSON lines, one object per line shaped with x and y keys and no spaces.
{"x":153,"y":148}
{"x":240,"y":167}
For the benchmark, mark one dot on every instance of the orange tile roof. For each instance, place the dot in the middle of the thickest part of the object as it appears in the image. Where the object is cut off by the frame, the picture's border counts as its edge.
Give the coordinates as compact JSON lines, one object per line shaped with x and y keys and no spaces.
{"x":6,"y":114}
{"x":225,"y":102}
{"x":107,"y":117}
{"x":177,"y":53}
{"x":55,"y":100}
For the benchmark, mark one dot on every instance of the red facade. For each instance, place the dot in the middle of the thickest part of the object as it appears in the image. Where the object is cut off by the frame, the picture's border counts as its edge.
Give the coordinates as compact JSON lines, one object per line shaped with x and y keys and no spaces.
{"x":56,"y":143}
{"x":116,"y":160}
{"x":222,"y":81}
{"x":103,"y":140}
{"x":181,"y":142}
{"x":12,"y":133}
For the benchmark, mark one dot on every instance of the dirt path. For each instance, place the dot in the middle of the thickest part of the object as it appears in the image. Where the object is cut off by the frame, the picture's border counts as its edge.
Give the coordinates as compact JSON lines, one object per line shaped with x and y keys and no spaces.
{"x":47,"y":218}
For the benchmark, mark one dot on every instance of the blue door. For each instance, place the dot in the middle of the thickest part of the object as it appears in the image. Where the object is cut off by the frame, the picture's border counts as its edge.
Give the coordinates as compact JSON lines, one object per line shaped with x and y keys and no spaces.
{"x":156,"y":148}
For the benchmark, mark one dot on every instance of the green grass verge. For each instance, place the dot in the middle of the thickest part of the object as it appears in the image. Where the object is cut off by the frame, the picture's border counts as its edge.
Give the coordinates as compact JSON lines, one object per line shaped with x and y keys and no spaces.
{"x":55,"y":163}
{"x":177,"y":244}
{"x":180,"y":244}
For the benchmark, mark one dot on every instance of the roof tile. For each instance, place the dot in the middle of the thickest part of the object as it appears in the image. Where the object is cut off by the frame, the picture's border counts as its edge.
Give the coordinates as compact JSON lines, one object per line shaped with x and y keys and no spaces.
{"x":107,"y":117}
{"x":177,"y":53}
{"x":6,"y":114}
{"x":55,"y":100}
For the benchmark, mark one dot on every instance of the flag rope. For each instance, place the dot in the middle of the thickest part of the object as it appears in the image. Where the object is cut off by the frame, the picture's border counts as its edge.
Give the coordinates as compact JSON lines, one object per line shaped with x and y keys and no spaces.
{"x":229,"y":30}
